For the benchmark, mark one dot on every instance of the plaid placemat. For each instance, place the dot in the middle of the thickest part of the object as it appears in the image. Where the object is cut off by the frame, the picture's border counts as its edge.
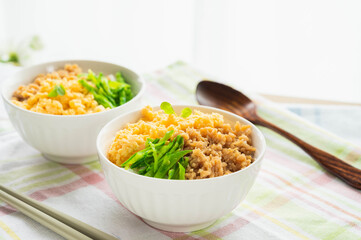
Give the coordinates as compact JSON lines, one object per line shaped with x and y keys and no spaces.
{"x":293,"y":198}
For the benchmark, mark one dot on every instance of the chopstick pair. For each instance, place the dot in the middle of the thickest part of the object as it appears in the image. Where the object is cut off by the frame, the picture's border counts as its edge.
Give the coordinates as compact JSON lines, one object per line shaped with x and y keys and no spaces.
{"x":64,"y":225}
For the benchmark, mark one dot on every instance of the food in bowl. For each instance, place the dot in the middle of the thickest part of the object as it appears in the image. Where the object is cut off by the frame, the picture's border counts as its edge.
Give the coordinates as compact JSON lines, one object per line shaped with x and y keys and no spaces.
{"x":66,"y":138}
{"x":213,"y":148}
{"x":174,"y":205}
{"x":69,"y":91}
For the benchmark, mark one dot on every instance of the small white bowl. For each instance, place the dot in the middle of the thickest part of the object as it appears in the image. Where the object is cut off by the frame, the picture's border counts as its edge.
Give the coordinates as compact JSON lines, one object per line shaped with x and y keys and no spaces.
{"x":178,"y":205}
{"x":66,"y":139}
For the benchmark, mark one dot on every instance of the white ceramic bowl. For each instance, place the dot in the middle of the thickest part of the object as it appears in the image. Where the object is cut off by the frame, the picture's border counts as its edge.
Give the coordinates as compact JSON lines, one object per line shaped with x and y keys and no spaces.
{"x":178,"y":205}
{"x":66,"y":139}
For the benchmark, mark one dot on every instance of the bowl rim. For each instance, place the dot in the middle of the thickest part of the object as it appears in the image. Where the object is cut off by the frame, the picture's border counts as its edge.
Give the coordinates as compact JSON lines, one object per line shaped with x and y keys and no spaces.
{"x":6,"y":83}
{"x":103,"y":158}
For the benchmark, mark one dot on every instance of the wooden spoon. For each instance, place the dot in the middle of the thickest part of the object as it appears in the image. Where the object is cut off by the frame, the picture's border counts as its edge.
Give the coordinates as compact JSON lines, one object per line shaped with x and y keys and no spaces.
{"x":224,"y":97}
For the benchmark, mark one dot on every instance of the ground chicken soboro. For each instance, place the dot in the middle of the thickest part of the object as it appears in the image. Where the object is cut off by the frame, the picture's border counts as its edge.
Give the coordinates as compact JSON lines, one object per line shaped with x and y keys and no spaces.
{"x":218,"y":149}
{"x":77,"y":100}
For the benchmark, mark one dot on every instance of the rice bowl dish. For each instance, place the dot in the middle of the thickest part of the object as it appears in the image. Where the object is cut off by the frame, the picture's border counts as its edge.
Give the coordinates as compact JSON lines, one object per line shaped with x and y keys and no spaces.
{"x":179,"y":205}
{"x":65,"y":138}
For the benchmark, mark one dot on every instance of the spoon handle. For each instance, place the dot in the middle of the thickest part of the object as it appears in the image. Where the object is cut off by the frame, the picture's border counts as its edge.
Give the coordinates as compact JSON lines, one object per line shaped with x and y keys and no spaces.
{"x":332,"y":164}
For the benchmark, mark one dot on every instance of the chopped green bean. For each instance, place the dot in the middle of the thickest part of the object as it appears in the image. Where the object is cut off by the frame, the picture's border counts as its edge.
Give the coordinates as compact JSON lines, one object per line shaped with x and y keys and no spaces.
{"x":181,"y":171}
{"x":170,"y":173}
{"x":161,"y":158}
{"x":122,"y":97}
{"x":135,"y":157}
{"x":169,"y":161}
{"x":119,"y":77}
{"x":176,"y":172}
{"x":106,"y":92}
{"x":142,"y":171}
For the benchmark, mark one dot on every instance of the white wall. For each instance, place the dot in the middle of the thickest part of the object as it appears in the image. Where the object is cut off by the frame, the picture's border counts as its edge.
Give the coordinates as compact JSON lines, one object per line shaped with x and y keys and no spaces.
{"x":300,"y":48}
{"x":306,"y":48}
{"x":138,"y":33}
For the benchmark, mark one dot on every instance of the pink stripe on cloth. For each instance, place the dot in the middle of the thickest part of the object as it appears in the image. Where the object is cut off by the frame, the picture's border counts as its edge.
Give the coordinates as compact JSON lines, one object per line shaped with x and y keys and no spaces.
{"x":177,"y":235}
{"x":288,"y":162}
{"x":239,"y":222}
{"x":235,"y":225}
{"x":300,"y":196}
{"x":42,"y":195}
{"x":339,"y":187}
{"x":104,"y":187}
{"x":6,"y":210}
{"x":87,"y":177}
{"x":307,"y":192}
{"x":101,"y":185}
{"x":231,"y":227}
{"x":322,"y":179}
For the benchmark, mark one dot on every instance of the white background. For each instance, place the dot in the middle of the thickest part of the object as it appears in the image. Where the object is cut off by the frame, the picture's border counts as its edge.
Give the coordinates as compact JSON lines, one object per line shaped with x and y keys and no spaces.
{"x":309,"y":48}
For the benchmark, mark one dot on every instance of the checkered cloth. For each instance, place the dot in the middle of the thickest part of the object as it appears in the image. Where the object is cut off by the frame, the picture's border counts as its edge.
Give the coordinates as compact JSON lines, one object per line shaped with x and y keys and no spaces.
{"x":293,"y":198}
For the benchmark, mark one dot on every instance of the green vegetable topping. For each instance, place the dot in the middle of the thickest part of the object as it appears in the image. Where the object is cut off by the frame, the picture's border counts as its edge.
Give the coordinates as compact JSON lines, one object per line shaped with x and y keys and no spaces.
{"x":168,"y":109}
{"x":181,"y":172}
{"x":57,"y":90}
{"x":106,"y":92}
{"x":186,"y":112}
{"x":162,"y":158}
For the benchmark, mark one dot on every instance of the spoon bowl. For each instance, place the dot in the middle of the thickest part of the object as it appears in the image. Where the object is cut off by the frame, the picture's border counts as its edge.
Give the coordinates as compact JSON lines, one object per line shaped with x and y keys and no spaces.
{"x":224,"y":97}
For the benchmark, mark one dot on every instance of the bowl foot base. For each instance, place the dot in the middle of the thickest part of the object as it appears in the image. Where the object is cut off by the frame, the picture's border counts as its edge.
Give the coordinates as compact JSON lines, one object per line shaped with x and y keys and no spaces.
{"x":179,"y":228}
{"x":71,"y":160}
